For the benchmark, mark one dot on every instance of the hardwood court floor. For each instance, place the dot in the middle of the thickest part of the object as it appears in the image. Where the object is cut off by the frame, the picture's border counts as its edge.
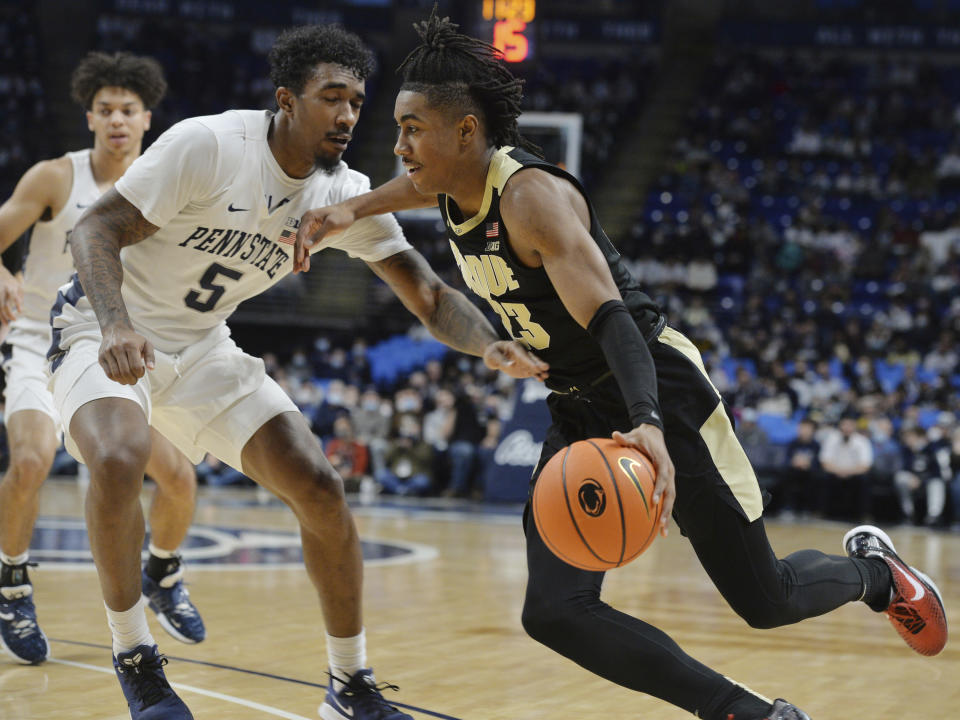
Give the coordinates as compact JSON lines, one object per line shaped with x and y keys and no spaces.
{"x":446,"y":628}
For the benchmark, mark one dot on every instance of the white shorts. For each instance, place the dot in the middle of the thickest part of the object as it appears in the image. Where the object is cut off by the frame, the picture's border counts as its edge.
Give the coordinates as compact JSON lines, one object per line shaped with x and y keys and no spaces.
{"x":25,"y":368}
{"x":211,"y":397}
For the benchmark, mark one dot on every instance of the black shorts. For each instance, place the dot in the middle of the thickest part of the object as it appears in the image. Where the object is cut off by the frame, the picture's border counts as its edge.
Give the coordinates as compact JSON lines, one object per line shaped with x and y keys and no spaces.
{"x":698,"y":427}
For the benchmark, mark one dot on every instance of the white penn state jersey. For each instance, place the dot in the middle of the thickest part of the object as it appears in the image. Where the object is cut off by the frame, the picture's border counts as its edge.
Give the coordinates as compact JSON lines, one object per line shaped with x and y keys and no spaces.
{"x":228,"y":217}
{"x":49,"y":262}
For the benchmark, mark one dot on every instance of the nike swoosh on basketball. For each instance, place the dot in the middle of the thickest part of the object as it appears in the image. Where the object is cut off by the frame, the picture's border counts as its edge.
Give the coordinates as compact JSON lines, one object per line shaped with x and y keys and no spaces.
{"x":231,"y":208}
{"x":920,"y":592}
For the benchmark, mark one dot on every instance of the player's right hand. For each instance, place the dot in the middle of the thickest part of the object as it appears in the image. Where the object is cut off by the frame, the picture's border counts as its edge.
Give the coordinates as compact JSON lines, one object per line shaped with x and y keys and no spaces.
{"x":11,"y":296}
{"x":315,"y":225}
{"x":125,"y":355}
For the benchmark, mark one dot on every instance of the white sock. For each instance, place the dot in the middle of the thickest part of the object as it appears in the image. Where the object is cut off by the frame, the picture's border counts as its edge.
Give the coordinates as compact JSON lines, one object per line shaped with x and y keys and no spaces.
{"x":15,"y":559}
{"x":129,"y":628}
{"x":164,"y":554}
{"x":346,"y":656}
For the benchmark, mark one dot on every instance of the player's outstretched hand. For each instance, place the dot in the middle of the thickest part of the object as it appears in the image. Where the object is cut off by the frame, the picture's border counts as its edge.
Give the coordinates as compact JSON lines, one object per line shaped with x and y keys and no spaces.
{"x":515,"y":360}
{"x":649,"y":439}
{"x":11,"y":296}
{"x":125,"y":355}
{"x":315,"y":225}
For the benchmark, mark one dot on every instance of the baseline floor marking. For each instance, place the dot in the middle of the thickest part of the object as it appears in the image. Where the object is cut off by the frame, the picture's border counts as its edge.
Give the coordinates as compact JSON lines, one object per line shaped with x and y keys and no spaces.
{"x":233,"y":668}
{"x":199,"y":691}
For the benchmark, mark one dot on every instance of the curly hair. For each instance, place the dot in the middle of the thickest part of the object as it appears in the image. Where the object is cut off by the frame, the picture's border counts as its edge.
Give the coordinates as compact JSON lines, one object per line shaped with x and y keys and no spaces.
{"x":297,"y":52}
{"x":458,"y":72}
{"x":136,"y":73}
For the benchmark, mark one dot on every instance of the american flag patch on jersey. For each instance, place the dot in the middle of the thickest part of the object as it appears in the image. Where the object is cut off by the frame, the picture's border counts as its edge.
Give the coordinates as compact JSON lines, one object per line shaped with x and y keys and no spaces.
{"x":493,"y":229}
{"x":288,"y":236}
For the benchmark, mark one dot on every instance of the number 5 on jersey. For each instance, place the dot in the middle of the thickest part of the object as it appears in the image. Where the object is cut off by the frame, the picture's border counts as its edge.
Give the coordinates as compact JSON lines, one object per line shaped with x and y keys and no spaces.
{"x":192,"y":299}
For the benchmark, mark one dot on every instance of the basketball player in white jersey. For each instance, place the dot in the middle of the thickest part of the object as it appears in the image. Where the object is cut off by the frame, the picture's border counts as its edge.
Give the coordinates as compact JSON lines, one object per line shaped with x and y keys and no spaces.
{"x":205,"y":219}
{"x":116,"y":91}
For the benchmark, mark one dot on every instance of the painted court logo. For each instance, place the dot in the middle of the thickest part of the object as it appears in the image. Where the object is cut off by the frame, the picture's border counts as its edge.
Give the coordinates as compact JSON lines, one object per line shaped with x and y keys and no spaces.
{"x":64,"y":543}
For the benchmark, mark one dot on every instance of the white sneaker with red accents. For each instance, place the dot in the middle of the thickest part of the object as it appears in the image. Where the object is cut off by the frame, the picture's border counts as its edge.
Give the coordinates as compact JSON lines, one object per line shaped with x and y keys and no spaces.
{"x":916,"y":606}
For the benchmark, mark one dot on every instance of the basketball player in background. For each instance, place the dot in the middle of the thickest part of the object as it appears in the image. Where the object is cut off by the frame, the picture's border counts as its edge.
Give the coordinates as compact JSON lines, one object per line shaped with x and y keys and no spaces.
{"x":206,"y":219}
{"x":117,"y":92}
{"x":616,"y":368}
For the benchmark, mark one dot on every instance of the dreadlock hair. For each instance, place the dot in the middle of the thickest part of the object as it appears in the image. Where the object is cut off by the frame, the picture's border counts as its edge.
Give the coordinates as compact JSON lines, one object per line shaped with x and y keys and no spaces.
{"x":297,"y":52}
{"x":461,"y":73}
{"x":137,"y":73}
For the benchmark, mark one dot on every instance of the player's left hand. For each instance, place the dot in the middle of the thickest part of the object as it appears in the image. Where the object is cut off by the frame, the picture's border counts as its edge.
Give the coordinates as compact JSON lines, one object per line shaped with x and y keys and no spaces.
{"x":649,"y":440}
{"x":315,"y":225}
{"x":512,"y":358}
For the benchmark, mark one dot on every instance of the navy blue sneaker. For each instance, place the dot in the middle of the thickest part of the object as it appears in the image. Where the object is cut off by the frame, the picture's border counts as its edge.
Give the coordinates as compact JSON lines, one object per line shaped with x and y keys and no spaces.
{"x":20,"y":634}
{"x":359,"y":699}
{"x":149,"y":695}
{"x":170,"y":600}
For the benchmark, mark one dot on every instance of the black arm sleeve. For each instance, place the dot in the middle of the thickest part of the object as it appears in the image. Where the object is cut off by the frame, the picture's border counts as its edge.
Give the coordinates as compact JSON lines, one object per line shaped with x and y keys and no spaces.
{"x":14,"y":255}
{"x":629,"y":358}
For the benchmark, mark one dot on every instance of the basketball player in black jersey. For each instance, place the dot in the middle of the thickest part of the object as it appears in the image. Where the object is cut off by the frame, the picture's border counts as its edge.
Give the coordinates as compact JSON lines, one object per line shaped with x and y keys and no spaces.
{"x":527,"y":239}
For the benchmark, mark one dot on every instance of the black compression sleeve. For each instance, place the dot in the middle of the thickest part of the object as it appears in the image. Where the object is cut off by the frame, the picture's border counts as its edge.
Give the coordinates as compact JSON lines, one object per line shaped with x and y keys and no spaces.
{"x":628,"y":356}
{"x":14,"y":255}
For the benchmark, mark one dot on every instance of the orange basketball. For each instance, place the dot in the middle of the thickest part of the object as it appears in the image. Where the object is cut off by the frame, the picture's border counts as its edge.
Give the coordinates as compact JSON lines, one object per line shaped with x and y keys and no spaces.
{"x":593,"y":504}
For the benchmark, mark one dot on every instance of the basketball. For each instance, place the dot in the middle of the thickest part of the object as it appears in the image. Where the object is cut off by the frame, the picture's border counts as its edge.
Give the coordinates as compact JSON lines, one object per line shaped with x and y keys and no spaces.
{"x":593,"y":504}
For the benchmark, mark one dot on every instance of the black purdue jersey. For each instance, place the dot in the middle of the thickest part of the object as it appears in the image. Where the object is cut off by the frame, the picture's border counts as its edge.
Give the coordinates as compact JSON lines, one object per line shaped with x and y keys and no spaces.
{"x":524,"y":297}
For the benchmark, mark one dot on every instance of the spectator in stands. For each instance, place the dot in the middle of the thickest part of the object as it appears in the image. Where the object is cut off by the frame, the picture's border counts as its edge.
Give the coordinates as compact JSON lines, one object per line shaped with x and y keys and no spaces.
{"x":943,"y":358}
{"x":213,"y":473}
{"x":465,"y":436}
{"x":438,"y":423}
{"x":940,"y":438}
{"x":358,"y":371}
{"x":349,"y":457}
{"x":824,"y":386}
{"x":487,"y":449}
{"x":918,"y":470}
{"x":747,"y":390}
{"x":846,"y":457}
{"x":408,"y":400}
{"x":371,"y":421}
{"x":756,"y":444}
{"x":862,"y":375}
{"x":955,"y":481}
{"x":801,"y":478}
{"x":887,"y":452}
{"x":407,"y":461}
{"x":331,"y":407}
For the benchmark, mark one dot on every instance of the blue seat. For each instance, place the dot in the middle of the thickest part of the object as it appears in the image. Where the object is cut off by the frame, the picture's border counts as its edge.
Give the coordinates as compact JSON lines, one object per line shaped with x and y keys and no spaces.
{"x":779,"y":429}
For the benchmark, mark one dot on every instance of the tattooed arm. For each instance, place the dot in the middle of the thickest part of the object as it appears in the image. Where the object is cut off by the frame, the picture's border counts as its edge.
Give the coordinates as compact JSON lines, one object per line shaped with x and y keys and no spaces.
{"x":451,"y":317}
{"x":108,"y":225}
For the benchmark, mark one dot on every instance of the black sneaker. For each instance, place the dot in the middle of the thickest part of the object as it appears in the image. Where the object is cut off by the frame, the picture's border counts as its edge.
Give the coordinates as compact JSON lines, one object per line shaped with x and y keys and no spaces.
{"x":359,"y":699}
{"x":176,"y":613}
{"x":20,"y":635}
{"x":149,"y":695}
{"x":782,"y":710}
